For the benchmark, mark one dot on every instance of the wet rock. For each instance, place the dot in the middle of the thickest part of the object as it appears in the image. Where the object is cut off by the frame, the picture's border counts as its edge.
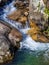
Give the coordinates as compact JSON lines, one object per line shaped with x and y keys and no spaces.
{"x":5,"y":52}
{"x":21,"y":4}
{"x":36,"y":34}
{"x":15,"y":15}
{"x":3,"y":2}
{"x":15,"y":37}
{"x":4,"y":29}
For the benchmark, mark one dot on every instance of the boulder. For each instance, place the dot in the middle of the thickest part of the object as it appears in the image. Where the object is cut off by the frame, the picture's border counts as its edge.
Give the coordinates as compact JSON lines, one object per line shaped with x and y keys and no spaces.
{"x":5,"y":52}
{"x":15,"y":37}
{"x":4,"y":29}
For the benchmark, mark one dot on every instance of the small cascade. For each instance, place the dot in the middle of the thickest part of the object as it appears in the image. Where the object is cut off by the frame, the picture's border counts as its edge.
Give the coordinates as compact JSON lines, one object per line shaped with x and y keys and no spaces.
{"x":27,"y":42}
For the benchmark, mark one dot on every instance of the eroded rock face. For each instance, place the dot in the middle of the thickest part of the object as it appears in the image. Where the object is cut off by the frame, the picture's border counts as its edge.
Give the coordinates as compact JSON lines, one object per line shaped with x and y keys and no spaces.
{"x":5,"y":53}
{"x":15,"y":37}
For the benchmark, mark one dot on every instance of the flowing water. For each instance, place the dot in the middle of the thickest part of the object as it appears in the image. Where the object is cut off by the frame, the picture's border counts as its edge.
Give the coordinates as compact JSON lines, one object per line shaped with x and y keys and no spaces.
{"x":27,"y":57}
{"x":30,"y":52}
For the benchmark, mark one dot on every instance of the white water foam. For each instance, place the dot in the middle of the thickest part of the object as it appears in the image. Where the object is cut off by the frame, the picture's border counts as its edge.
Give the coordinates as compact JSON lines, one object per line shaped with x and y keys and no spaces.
{"x":31,"y":44}
{"x":27,"y":41}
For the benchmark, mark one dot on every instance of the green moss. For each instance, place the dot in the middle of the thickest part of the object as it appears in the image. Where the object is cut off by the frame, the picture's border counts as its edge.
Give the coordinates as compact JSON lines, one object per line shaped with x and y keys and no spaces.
{"x":47,"y":31}
{"x":46,"y":11}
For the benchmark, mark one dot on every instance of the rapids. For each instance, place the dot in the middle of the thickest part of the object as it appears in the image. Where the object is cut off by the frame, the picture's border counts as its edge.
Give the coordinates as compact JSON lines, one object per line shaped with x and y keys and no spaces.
{"x":30,"y":52}
{"x":27,"y":42}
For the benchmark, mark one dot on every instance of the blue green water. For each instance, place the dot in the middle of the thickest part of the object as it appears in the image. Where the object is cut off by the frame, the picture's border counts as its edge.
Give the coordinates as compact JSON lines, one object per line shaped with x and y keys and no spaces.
{"x":26,"y":57}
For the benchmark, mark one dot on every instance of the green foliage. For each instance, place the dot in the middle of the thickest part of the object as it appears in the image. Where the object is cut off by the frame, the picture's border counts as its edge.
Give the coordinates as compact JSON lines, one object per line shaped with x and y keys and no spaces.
{"x":46,"y":11}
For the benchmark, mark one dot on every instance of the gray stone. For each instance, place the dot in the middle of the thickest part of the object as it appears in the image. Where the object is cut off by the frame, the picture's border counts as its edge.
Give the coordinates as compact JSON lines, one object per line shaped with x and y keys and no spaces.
{"x":15,"y":37}
{"x":5,"y":54}
{"x":4,"y":29}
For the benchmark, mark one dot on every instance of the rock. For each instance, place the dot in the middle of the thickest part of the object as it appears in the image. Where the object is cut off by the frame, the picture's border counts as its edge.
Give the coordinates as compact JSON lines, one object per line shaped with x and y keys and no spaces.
{"x":15,"y":37}
{"x":46,"y":2}
{"x":15,"y":15}
{"x":4,"y":29}
{"x":26,"y":13}
{"x":36,"y":16}
{"x":22,"y":19}
{"x":2,"y":2}
{"x":20,"y":15}
{"x":5,"y":52}
{"x":36,"y":34}
{"x":21,"y":4}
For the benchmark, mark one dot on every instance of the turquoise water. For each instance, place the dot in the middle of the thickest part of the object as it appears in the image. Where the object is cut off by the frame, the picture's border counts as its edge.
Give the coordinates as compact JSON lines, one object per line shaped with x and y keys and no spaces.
{"x":27,"y":57}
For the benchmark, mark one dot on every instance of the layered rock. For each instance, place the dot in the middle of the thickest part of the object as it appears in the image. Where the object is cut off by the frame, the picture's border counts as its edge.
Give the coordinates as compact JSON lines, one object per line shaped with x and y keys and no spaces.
{"x":9,"y":39}
{"x":5,"y":52}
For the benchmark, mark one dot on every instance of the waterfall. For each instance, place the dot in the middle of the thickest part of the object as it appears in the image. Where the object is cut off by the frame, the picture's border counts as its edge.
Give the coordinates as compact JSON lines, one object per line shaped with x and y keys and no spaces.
{"x":27,"y":42}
